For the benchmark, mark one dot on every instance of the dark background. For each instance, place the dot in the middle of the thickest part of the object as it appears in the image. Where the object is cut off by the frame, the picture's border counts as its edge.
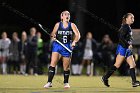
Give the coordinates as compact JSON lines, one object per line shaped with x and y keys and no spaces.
{"x":97,"y":16}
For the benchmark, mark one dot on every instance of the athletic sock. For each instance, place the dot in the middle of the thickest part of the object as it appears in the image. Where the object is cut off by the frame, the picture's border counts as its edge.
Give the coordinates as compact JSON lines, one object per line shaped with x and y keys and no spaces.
{"x":66,"y":76}
{"x":51,"y":73}
{"x":88,"y":69}
{"x":132,"y":74}
{"x":74,"y":67}
{"x":110,"y":72}
{"x":80,"y":69}
{"x":21,"y":69}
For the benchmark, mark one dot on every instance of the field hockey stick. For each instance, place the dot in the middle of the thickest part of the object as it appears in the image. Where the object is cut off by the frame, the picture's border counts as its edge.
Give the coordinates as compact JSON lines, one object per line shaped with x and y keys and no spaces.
{"x":32,"y":21}
{"x":55,"y":39}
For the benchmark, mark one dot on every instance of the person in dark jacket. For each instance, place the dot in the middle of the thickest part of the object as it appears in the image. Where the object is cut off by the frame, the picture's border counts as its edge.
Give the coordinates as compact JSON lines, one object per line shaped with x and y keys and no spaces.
{"x":32,"y":52}
{"x":14,"y":54}
{"x":106,"y":52}
{"x":22,"y":47}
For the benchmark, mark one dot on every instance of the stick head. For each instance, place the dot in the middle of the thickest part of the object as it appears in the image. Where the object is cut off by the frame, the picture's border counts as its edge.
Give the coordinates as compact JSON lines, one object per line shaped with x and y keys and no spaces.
{"x":40,"y":25}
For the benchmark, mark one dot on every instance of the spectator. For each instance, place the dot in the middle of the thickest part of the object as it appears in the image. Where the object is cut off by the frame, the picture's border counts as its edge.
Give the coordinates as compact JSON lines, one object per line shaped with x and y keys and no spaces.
{"x":14,"y":54}
{"x":32,"y":52}
{"x":106,"y":51}
{"x":89,"y":47}
{"x":40,"y":45}
{"x":22,"y":46}
{"x":76,"y":59}
{"x":4,"y":51}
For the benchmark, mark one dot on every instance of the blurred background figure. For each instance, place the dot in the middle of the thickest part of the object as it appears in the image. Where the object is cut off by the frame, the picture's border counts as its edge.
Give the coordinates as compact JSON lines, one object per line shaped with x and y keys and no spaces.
{"x":22,"y":47}
{"x":32,"y":52}
{"x":76,"y":58}
{"x":106,"y":51}
{"x":14,"y":54}
{"x":4,"y":51}
{"x":88,"y":48}
{"x":40,"y":46}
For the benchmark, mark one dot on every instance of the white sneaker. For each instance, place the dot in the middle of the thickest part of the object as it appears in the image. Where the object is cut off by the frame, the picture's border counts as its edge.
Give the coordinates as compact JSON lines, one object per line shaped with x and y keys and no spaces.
{"x":66,"y":85}
{"x":48,"y":85}
{"x":36,"y":74}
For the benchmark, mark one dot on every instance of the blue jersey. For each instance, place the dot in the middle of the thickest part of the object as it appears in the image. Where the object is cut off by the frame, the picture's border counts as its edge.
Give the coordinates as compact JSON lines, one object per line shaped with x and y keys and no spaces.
{"x":64,"y":35}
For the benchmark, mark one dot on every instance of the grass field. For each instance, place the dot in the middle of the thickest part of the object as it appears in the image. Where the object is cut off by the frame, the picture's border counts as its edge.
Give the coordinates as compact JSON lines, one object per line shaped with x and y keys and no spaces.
{"x":79,"y":84}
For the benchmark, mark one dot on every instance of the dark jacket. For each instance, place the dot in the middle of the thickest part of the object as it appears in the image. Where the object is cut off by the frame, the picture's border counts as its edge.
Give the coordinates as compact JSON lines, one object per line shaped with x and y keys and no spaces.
{"x":32,"y":44}
{"x":22,"y":48}
{"x":125,"y":35}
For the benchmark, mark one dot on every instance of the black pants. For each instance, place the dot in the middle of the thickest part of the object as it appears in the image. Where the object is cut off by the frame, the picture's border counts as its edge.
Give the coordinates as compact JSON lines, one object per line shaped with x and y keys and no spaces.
{"x":32,"y":62}
{"x":14,"y":64}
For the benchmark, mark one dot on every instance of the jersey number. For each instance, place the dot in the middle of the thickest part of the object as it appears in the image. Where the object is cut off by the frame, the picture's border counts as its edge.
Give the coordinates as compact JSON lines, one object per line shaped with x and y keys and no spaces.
{"x":64,"y":39}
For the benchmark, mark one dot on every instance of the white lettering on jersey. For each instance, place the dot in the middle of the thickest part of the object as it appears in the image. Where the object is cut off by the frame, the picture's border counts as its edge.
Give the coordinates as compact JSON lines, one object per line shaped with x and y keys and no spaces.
{"x":64,"y":32}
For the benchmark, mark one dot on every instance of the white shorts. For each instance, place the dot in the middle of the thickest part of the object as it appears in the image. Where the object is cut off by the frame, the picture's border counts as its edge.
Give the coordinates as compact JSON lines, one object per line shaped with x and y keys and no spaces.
{"x":88,"y":54}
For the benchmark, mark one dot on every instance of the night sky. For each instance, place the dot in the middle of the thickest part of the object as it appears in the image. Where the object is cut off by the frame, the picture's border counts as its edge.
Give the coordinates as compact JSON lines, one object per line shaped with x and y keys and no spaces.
{"x":96,"y":16}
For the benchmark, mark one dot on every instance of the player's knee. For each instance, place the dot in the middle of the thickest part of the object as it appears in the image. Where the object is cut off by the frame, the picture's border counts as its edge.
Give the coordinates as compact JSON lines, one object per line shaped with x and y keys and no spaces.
{"x":117,"y":65}
{"x":66,"y":68}
{"x":53,"y":64}
{"x":133,"y":66}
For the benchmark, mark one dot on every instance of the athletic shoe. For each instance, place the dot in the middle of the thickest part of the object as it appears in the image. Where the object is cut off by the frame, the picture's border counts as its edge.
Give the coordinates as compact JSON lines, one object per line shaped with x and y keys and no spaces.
{"x":66,"y":85}
{"x":48,"y":85}
{"x":135,"y":84}
{"x":36,"y":74}
{"x":105,"y":81}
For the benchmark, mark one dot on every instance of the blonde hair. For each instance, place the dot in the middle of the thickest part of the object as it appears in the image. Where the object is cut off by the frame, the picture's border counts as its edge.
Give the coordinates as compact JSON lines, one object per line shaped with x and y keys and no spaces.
{"x":124,"y":17}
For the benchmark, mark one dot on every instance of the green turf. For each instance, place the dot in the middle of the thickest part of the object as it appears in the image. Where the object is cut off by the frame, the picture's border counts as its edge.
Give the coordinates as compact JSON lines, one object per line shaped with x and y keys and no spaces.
{"x":79,"y":84}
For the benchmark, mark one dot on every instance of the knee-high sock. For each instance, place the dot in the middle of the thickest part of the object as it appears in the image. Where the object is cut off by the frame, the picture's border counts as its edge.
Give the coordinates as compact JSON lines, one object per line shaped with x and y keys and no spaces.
{"x":22,"y":69}
{"x":74,"y":69}
{"x":132,"y":74}
{"x":88,"y":69}
{"x":66,"y":76}
{"x":80,"y":69}
{"x":4,"y":68}
{"x":110,"y":72}
{"x":77,"y":69}
{"x":51,"y":73}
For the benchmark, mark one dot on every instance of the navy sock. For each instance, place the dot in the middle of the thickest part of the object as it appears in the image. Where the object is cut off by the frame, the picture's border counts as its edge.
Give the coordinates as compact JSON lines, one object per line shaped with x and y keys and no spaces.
{"x":110,"y":72}
{"x":51,"y":73}
{"x":66,"y":76}
{"x":132,"y":74}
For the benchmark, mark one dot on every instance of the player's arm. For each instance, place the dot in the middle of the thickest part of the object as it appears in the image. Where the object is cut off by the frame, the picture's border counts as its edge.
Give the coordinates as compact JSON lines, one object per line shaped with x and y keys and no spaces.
{"x":77,"y":34}
{"x":53,"y":34}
